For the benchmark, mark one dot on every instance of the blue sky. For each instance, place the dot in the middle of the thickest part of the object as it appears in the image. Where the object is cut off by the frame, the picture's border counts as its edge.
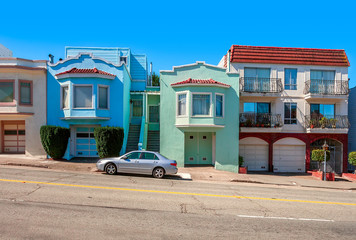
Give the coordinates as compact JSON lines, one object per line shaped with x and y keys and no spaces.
{"x":176,"y":32}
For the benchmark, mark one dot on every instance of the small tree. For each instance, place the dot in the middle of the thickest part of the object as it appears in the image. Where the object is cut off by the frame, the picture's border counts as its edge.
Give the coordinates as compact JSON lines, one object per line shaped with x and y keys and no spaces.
{"x":155,"y":79}
{"x":352,"y":158}
{"x":54,"y":140}
{"x":109,"y":141}
{"x":318,"y":156}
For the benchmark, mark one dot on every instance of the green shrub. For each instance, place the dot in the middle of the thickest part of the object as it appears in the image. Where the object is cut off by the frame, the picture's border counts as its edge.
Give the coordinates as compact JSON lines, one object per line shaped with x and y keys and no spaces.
{"x":318,"y":155}
{"x":352,"y":158}
{"x":54,"y":140}
{"x":109,"y":141}
{"x":241,"y":161}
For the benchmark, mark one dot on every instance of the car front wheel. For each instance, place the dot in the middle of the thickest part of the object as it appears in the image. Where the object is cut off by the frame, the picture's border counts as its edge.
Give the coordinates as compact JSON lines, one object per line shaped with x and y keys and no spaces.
{"x":158,"y":172}
{"x":110,"y":169}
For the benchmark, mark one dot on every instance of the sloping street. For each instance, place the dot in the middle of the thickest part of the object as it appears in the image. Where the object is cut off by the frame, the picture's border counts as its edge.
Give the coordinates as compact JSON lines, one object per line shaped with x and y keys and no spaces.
{"x":47,"y":204}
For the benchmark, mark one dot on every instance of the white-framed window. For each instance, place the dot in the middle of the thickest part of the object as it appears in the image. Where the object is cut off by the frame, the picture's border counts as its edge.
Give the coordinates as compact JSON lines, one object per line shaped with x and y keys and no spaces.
{"x":290,"y":79}
{"x":65,"y":97}
{"x":83,"y":96}
{"x":201,"y":104}
{"x":182,"y":104}
{"x":219,"y":105}
{"x":290,"y":113}
{"x":103,"y":97}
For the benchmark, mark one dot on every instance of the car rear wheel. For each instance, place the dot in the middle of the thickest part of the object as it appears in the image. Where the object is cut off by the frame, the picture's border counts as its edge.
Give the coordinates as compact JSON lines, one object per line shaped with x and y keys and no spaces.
{"x":158,"y":172}
{"x":110,"y":169}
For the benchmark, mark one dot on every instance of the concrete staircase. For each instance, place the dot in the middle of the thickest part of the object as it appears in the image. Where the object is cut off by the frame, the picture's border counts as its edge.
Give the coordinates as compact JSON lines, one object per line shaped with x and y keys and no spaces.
{"x":153,"y":141}
{"x":133,"y":138}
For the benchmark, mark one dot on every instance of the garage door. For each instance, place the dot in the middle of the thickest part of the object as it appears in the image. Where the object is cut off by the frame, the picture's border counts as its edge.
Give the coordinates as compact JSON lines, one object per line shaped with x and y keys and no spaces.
{"x":289,"y":156}
{"x":85,"y":142}
{"x":14,"y":137}
{"x":255,"y":154}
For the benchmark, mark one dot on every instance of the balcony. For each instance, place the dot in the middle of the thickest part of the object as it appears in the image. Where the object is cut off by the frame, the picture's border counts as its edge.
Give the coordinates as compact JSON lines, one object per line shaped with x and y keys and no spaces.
{"x":251,"y":86}
{"x":326,"y":88}
{"x":261,"y":122}
{"x":316,"y":123}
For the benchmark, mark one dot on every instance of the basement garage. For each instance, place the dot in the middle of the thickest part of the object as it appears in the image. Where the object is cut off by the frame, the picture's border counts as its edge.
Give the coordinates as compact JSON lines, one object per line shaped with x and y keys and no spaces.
{"x":289,"y":155}
{"x":255,"y":153}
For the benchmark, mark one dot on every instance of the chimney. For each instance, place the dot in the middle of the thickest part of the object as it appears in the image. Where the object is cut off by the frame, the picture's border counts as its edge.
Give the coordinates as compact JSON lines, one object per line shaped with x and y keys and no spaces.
{"x":50,"y":56}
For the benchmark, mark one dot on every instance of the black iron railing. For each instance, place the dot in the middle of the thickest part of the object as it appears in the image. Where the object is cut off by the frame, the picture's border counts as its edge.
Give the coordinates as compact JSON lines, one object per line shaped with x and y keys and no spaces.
{"x":324,"y":121}
{"x":327,"y":87}
{"x":260,"y":85}
{"x":266,"y":120}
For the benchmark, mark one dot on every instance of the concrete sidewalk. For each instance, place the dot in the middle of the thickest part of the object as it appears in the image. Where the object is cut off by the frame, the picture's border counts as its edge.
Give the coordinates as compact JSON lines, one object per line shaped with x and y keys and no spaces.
{"x":208,"y":174}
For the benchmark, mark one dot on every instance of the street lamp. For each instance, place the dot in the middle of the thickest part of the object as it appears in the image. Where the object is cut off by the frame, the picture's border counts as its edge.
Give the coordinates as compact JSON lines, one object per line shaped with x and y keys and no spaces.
{"x":325,"y":148}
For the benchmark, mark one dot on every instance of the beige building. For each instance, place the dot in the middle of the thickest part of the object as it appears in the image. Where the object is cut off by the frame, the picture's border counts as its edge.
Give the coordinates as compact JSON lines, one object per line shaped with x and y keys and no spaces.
{"x":22,"y":104}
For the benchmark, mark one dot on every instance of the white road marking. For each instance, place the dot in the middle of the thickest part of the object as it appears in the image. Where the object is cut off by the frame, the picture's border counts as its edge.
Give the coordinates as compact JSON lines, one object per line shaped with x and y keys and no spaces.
{"x":287,"y":218}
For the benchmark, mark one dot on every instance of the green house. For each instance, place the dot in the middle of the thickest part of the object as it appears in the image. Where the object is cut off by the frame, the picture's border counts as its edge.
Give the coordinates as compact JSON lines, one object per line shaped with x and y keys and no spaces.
{"x":199,"y":116}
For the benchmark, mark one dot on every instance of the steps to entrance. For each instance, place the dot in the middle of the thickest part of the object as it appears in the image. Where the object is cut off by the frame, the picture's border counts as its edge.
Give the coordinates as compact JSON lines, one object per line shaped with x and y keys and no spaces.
{"x":133,"y":138}
{"x":153,"y":141}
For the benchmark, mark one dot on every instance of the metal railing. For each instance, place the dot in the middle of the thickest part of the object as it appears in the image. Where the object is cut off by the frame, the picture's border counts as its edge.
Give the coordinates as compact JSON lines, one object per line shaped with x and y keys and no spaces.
{"x":327,"y":87}
{"x":325,"y":121}
{"x":260,"y":85}
{"x":266,"y":120}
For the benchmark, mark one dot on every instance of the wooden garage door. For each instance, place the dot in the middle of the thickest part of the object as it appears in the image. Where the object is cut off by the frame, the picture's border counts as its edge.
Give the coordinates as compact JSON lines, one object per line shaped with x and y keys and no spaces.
{"x":288,"y":158}
{"x":255,"y":156}
{"x":14,"y":137}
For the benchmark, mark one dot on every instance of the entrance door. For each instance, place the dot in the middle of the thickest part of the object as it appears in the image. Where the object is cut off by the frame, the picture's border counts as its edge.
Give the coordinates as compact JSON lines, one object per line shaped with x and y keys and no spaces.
{"x":13,"y":137}
{"x":198,"y":148}
{"x":85,"y":145}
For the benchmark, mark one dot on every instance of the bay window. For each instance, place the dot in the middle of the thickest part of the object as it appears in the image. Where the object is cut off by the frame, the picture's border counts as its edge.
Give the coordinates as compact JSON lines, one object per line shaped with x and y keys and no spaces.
{"x":182,"y":104}
{"x":103,"y":97}
{"x":201,"y":104}
{"x":25,"y":92}
{"x":83,"y":96}
{"x":219,"y":105}
{"x":65,"y":97}
{"x":6,"y":91}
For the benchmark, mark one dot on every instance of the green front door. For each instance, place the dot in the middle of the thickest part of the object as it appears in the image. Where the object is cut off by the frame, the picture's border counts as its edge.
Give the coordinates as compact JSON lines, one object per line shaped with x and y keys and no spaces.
{"x":198,"y":148}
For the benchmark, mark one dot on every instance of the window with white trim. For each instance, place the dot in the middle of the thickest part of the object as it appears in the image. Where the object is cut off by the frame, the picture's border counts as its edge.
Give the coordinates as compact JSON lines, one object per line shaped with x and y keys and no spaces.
{"x":182,"y":104}
{"x":83,"y":96}
{"x":201,"y":104}
{"x":290,"y":79}
{"x":219,"y":105}
{"x":65,"y":97}
{"x":103,"y":97}
{"x":290,"y":113}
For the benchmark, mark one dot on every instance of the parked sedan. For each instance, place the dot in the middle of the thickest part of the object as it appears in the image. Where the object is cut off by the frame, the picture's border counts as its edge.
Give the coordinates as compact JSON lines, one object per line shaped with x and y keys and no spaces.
{"x":144,"y":162}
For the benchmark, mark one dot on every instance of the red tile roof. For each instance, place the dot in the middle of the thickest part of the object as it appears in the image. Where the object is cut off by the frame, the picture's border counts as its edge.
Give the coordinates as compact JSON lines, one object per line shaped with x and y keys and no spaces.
{"x":283,"y":55}
{"x":85,"y":71}
{"x":200,"y":81}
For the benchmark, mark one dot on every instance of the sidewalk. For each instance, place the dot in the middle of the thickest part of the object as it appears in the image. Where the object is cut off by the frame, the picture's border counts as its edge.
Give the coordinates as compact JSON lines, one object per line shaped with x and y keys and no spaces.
{"x":208,"y":174}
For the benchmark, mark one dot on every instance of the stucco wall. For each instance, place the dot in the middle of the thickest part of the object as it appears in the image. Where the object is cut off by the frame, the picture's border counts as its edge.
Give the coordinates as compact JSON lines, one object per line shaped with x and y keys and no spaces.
{"x":33,"y":122}
{"x":225,"y":130}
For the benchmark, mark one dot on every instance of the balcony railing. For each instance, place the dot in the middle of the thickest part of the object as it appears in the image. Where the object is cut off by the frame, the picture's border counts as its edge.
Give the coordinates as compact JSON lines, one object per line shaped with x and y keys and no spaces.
{"x":327,"y":87}
{"x":266,"y":120}
{"x":324,"y":121}
{"x":260,"y":85}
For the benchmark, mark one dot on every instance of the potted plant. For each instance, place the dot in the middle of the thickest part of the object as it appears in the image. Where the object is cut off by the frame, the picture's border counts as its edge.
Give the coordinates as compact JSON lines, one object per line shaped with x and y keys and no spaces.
{"x":248,"y":123}
{"x":323,"y":122}
{"x":318,"y":156}
{"x":352,"y":159}
{"x":242,"y":169}
{"x":311,"y":123}
{"x":333,"y":122}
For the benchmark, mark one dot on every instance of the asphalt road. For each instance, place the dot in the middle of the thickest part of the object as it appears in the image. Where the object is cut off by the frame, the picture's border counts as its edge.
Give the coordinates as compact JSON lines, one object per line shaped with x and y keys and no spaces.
{"x":44,"y":204}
